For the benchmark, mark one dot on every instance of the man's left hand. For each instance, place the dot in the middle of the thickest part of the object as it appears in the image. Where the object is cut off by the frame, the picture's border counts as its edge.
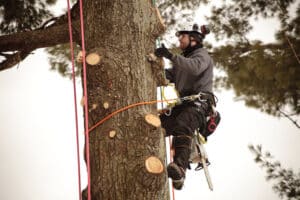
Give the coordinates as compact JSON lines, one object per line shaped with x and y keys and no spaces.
{"x":163,"y":52}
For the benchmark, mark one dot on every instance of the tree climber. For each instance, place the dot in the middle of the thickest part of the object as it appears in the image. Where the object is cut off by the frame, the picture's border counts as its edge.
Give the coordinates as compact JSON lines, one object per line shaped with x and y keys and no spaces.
{"x":192,"y":73}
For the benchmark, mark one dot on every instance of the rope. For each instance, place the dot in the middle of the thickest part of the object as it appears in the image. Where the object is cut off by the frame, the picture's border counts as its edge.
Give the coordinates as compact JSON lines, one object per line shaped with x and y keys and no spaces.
{"x":171,"y":160}
{"x":75,"y":98}
{"x":126,"y":108}
{"x":87,"y":130}
{"x":87,"y":141}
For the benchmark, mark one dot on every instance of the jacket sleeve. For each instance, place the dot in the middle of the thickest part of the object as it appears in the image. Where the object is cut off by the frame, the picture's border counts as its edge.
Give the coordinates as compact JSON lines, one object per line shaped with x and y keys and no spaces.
{"x":170,"y":74}
{"x":193,"y":65}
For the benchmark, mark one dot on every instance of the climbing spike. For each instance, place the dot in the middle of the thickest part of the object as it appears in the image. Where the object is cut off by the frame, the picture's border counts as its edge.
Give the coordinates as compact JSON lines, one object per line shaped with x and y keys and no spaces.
{"x":154,"y":165}
{"x":153,"y":120}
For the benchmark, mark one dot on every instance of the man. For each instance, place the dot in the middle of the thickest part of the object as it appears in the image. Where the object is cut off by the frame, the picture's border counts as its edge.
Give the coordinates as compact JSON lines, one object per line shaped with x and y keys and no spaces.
{"x":192,"y":73}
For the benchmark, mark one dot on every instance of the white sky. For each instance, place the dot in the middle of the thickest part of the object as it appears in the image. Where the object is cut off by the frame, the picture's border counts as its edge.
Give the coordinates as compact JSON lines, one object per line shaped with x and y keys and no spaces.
{"x":38,"y":147}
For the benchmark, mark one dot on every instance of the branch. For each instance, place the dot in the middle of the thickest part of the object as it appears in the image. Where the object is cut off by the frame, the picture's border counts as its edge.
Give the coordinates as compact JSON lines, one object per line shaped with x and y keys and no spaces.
{"x":13,"y":59}
{"x":52,"y":32}
{"x":55,"y":29}
{"x":63,"y":19}
{"x":293,"y":121}
{"x":38,"y":38}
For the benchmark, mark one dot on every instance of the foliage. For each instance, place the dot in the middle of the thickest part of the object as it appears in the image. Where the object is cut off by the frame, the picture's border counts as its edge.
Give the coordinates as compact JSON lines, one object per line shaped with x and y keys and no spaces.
{"x":174,"y":11}
{"x":265,"y":76}
{"x":23,"y":15}
{"x":59,"y":58}
{"x":287,"y":182}
{"x":232,"y":19}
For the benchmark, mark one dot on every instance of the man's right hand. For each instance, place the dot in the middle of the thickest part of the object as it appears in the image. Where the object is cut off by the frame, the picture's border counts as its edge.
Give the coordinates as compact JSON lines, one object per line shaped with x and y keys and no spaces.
{"x":163,"y":52}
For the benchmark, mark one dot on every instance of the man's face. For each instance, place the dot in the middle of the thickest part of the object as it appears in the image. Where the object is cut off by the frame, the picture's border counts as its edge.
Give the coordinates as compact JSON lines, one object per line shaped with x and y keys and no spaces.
{"x":184,"y":41}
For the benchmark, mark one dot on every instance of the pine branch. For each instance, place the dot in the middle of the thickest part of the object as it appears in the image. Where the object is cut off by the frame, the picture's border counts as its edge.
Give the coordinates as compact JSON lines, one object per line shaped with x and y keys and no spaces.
{"x":292,"y":120}
{"x":14,"y":59}
{"x":38,"y":38}
{"x":286,"y":182}
{"x":52,"y":32}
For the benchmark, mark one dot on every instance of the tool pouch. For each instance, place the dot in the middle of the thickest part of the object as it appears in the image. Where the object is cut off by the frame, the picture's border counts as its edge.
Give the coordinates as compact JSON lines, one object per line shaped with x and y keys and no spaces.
{"x":211,"y":124}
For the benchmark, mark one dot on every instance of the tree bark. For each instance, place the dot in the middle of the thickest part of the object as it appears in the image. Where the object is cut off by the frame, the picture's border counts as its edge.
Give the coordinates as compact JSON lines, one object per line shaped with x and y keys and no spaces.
{"x":125,"y":30}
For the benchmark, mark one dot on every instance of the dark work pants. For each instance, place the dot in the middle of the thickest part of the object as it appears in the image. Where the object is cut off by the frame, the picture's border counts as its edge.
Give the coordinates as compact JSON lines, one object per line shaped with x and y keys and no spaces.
{"x":182,"y":123}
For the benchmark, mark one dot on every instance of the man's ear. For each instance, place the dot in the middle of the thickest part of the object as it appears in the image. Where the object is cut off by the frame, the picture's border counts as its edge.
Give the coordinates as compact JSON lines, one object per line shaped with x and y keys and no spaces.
{"x":193,"y":41}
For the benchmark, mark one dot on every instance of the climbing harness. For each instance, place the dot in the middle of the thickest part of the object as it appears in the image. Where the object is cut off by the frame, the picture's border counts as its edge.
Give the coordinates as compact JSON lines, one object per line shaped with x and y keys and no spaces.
{"x":177,"y":100}
{"x":198,"y":154}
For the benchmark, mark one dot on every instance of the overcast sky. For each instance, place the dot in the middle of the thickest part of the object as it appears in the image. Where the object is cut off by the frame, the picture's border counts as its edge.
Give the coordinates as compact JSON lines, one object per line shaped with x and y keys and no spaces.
{"x":38,"y":147}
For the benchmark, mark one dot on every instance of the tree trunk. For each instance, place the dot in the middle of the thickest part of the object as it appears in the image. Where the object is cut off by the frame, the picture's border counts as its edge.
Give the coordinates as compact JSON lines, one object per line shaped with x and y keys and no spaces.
{"x":123,"y":32}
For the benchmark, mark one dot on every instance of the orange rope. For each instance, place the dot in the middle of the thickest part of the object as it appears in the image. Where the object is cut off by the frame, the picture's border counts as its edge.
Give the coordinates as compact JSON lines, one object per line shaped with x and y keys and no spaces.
{"x":126,"y":108}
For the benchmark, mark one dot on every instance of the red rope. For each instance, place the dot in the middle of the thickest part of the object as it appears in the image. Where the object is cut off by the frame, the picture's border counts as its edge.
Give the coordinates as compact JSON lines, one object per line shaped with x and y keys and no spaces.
{"x":171,"y":159}
{"x":75,"y":98}
{"x":87,"y":141}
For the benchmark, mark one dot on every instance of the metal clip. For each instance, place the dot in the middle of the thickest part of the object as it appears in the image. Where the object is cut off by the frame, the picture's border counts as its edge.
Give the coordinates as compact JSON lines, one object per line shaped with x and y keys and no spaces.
{"x":168,"y":112}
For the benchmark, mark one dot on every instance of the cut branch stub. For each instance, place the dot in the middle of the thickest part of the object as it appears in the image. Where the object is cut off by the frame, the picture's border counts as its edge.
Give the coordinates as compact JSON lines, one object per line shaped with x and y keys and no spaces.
{"x":151,"y":57}
{"x":158,"y":62}
{"x":157,"y":65}
{"x":153,"y":120}
{"x":154,"y":165}
{"x":93,"y":58}
{"x":82,"y":101}
{"x":112,"y":133}
{"x":162,"y":25}
{"x":79,"y":57}
{"x":105,"y":105}
{"x":159,"y":26}
{"x":94,"y":106}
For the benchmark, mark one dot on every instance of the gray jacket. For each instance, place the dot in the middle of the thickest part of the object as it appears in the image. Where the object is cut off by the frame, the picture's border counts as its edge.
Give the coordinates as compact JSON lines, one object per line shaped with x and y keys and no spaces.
{"x":192,"y":74}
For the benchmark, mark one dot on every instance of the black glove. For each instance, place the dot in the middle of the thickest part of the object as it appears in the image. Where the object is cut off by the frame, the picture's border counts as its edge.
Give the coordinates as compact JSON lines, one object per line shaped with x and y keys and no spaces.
{"x":163,"y":52}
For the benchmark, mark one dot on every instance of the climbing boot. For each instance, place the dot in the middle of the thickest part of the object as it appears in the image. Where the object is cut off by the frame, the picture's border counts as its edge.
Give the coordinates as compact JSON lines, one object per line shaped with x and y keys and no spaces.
{"x":177,"y":174}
